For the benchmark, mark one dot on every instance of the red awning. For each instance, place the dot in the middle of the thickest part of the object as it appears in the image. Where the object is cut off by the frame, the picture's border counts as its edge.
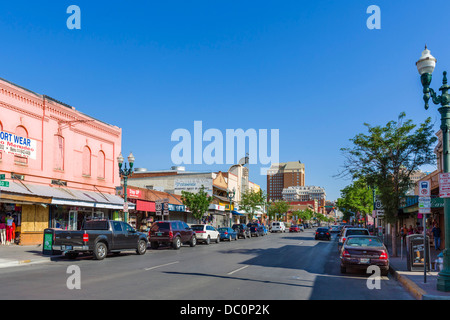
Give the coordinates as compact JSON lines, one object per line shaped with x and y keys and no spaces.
{"x":145,"y":206}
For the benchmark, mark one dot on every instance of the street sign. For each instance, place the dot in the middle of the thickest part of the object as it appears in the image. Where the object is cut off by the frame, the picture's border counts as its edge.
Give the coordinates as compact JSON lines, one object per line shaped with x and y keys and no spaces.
{"x":424,"y":189}
{"x":378,"y":204}
{"x":158,"y":207}
{"x":444,"y":185}
{"x":125,"y":207}
{"x":424,"y":204}
{"x":2,"y":177}
{"x":166,"y":207}
{"x":4,"y":183}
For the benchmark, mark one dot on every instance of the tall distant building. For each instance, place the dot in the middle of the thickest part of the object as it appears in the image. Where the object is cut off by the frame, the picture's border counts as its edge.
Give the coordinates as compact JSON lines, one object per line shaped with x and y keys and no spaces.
{"x":284,"y":175}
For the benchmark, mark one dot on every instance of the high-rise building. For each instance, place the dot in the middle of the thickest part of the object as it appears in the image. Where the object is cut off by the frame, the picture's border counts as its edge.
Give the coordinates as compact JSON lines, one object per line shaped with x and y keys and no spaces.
{"x":284,"y":175}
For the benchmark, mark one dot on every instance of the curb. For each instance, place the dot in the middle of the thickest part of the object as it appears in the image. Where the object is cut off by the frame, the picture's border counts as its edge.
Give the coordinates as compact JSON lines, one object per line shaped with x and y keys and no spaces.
{"x":417,"y":292}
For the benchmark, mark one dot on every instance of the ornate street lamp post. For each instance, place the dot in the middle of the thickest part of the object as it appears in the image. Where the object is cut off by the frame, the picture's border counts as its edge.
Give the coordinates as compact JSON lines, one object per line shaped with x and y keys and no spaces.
{"x":425,"y":66}
{"x":230,"y":196}
{"x":125,"y":173}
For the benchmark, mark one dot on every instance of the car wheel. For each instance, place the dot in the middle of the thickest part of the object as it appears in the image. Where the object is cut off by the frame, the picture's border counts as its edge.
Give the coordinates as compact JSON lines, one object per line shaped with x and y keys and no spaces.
{"x":176,"y":243}
{"x":208,"y":240}
{"x":229,"y":238}
{"x":154,"y":245}
{"x":100,"y":251}
{"x":142,"y":247}
{"x":193,"y":241}
{"x":218,"y":239}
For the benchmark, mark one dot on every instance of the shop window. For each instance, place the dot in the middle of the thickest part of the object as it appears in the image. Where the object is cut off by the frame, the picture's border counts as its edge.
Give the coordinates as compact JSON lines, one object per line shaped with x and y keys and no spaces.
{"x":58,"y":154}
{"x":86,"y":161}
{"x":21,"y":132}
{"x":101,"y":165}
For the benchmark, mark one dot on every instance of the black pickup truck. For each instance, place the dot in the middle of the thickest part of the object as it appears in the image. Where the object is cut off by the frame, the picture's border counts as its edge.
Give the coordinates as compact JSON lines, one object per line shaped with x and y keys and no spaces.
{"x":100,"y":237}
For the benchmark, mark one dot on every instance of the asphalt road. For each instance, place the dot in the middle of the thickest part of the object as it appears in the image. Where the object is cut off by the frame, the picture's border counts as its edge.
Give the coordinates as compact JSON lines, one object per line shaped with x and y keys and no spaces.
{"x":286,"y":266}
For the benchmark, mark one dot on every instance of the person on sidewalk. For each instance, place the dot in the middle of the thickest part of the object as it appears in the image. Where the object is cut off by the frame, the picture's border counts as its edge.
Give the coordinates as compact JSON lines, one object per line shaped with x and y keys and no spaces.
{"x":3,"y":231}
{"x":9,"y":228}
{"x":436,"y":231}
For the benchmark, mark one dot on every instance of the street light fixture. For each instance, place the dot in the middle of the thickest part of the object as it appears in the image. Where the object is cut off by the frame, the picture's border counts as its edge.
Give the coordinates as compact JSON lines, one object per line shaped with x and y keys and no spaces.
{"x":125,"y":173}
{"x":425,"y":66}
{"x":230,"y":196}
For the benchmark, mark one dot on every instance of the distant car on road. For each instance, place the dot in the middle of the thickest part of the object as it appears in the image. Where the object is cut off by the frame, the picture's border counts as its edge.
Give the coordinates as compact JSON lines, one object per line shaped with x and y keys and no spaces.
{"x":295,"y":228}
{"x":242,"y":230}
{"x":206,"y":233}
{"x":227,"y":234}
{"x":335,"y":229}
{"x":322,"y":233}
{"x":256,"y":229}
{"x":277,"y":226}
{"x":362,"y":251}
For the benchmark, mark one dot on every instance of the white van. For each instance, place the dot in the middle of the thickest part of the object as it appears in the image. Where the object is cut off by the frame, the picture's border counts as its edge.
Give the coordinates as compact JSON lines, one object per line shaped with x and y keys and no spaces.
{"x":277,"y":226}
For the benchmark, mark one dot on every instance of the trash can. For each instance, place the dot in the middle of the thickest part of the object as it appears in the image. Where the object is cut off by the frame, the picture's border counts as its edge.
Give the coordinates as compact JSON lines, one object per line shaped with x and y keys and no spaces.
{"x":47,"y":244}
{"x":415,"y":252}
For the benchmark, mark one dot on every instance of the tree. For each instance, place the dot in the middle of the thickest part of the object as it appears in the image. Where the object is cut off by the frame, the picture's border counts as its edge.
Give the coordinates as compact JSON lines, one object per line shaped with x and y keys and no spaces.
{"x":278,"y":207}
{"x":252,"y":200}
{"x":356,"y":197}
{"x":386,"y":157}
{"x":197,"y":203}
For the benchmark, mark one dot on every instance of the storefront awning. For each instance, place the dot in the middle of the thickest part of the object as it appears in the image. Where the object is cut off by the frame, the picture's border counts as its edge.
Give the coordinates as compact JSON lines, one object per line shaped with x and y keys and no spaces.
{"x":234,"y":212}
{"x":65,"y":196}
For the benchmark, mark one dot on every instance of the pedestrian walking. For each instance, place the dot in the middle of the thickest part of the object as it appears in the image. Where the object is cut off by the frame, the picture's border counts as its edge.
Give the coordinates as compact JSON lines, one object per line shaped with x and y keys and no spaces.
{"x":3,"y":231}
{"x":436,"y":231}
{"x":9,"y":228}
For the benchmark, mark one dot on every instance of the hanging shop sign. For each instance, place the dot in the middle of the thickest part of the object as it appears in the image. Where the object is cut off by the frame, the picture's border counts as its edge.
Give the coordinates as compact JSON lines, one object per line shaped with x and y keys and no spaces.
{"x":17,"y":145}
{"x":444,"y":185}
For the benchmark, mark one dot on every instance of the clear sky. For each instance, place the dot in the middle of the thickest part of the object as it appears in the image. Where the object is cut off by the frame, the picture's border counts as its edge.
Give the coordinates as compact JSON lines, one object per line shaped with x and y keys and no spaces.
{"x":311,"y":69}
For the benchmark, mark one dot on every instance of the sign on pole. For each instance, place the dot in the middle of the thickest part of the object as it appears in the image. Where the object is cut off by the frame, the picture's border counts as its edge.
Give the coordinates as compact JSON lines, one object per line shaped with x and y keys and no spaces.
{"x":444,"y":185}
{"x":4,"y":183}
{"x":424,"y":197}
{"x":158,"y":207}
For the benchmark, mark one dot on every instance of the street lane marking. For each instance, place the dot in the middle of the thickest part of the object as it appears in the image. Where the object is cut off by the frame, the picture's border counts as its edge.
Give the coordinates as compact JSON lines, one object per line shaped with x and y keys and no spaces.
{"x":163,"y":265}
{"x":238,"y":269}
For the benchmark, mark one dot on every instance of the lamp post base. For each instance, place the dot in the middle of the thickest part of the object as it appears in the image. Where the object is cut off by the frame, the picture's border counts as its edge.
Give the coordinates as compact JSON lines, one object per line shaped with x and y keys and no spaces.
{"x":443,"y":280}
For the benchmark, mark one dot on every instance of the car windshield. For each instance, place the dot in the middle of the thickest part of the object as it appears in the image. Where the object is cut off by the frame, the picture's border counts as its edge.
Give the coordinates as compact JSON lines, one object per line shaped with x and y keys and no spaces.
{"x":197,"y":227}
{"x":96,"y":225}
{"x":223,"y":229}
{"x":160,"y":226}
{"x":364,"y":242}
{"x":355,"y":232}
{"x":322,"y":230}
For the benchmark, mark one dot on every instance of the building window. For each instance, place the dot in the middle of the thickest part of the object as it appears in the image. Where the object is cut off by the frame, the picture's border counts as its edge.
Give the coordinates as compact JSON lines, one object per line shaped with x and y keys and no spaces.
{"x":101,"y":165}
{"x":86,"y":161}
{"x":58,"y":155}
{"x":21,"y":132}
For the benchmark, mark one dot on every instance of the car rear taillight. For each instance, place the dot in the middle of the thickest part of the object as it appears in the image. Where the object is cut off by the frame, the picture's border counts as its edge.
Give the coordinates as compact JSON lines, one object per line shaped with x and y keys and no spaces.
{"x":343,"y":240}
{"x":317,"y":233}
{"x":383,"y":255}
{"x":346,"y":254}
{"x":170,"y":234}
{"x":200,"y":231}
{"x":85,"y":237}
{"x":226,"y":232}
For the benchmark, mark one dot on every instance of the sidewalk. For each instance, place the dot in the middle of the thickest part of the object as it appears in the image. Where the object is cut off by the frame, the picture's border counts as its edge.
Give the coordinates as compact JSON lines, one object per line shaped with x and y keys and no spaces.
{"x":14,"y":255}
{"x":413,"y":281}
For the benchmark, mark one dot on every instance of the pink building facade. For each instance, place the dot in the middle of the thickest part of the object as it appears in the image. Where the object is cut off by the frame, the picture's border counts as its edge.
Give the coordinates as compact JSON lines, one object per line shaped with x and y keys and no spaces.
{"x":59,"y":165}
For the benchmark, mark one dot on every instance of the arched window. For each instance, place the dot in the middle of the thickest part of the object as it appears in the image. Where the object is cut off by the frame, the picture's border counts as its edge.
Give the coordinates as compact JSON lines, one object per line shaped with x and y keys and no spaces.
{"x":21,"y":132}
{"x":101,"y":165}
{"x":86,"y":161}
{"x":58,"y":152}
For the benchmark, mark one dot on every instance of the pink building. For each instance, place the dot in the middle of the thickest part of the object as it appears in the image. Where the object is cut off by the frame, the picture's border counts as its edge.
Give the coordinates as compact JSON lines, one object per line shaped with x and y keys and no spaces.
{"x":59,"y":164}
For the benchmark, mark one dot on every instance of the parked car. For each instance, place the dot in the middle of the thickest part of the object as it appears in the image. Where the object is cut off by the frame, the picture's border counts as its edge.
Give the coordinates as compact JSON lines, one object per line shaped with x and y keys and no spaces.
{"x":227,"y":234}
{"x":294,"y":228}
{"x":277,"y":226}
{"x":242,"y":230}
{"x":99,"y":237}
{"x":255,"y":229}
{"x":205,"y":233}
{"x":334,"y":229}
{"x":173,"y":233}
{"x":362,"y":251}
{"x":322,"y":233}
{"x":349,"y":231}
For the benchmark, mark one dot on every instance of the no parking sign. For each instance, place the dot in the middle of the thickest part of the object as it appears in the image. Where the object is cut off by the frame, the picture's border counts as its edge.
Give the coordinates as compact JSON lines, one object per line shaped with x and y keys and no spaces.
{"x":424,"y":189}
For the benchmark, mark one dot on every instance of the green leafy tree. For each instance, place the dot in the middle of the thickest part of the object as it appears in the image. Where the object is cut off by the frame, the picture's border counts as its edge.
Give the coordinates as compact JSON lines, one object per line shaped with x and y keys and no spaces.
{"x":252,"y":200}
{"x":277,"y":208}
{"x":197,"y":203}
{"x":386,"y":157}
{"x":356,"y":197}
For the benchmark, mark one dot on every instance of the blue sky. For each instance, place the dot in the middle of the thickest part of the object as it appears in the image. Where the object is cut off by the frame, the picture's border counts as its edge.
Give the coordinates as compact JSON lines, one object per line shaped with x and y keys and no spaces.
{"x":311,"y":69}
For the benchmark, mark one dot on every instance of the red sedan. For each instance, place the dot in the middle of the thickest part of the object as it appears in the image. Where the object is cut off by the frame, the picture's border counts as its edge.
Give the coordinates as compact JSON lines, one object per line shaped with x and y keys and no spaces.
{"x":294,"y":228}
